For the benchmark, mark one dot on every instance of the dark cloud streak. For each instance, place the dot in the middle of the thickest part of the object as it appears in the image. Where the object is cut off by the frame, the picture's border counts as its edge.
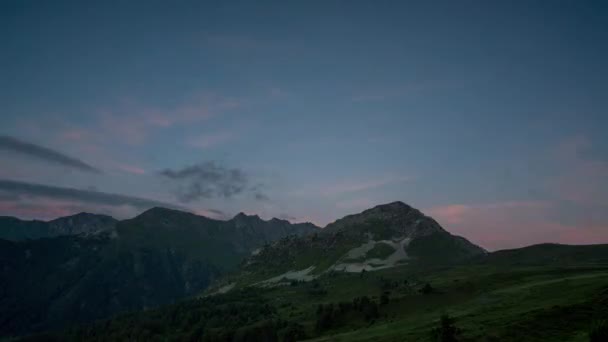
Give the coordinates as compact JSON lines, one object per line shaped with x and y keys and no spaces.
{"x":44,"y":154}
{"x":88,"y":196}
{"x":211,"y":180}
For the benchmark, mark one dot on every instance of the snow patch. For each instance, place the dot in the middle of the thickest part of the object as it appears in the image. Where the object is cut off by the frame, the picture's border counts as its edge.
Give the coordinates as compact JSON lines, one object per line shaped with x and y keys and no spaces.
{"x":372,"y":264}
{"x":225,"y":288}
{"x":301,"y":275}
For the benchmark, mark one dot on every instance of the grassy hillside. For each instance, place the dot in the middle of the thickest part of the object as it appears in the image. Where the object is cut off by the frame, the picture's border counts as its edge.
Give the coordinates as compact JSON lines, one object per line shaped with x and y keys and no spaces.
{"x":488,"y":301}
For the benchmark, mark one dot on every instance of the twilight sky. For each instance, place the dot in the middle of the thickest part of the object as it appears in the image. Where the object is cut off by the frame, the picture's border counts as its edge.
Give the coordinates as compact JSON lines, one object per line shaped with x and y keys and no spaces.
{"x":490,"y":116}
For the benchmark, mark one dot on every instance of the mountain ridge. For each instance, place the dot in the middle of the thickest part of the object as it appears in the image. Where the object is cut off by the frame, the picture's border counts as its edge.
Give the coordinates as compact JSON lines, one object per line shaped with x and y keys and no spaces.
{"x":155,"y":258}
{"x":16,"y":229}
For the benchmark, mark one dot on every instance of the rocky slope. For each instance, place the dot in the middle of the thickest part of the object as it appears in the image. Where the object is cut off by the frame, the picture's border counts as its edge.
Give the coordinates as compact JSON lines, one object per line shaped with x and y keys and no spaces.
{"x":385,"y":236}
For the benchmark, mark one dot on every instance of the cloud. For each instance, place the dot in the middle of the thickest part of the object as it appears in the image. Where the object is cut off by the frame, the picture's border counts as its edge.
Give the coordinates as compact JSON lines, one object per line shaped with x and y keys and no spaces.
{"x":44,"y":154}
{"x":212,"y":213}
{"x":355,"y":204}
{"x":258,"y":192}
{"x":211,"y":180}
{"x":579,"y":178}
{"x":134,"y":123}
{"x":513,"y":224}
{"x":574,"y":208}
{"x":211,"y":140}
{"x":130,"y":169}
{"x":82,"y":196}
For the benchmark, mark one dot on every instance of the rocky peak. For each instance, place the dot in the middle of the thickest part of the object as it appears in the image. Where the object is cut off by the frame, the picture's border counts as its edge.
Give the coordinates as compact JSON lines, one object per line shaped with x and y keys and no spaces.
{"x":398,"y":217}
{"x":277,"y":220}
{"x":158,"y":212}
{"x":242,"y":219}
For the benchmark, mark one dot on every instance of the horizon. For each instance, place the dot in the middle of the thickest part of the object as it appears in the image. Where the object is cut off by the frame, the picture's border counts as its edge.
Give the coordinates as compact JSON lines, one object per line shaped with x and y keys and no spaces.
{"x":488,"y":117}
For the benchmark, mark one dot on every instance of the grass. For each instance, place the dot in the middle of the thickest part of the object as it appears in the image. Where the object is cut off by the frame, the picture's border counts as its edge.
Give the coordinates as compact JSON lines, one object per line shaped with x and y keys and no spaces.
{"x":488,"y":303}
{"x":380,"y":251}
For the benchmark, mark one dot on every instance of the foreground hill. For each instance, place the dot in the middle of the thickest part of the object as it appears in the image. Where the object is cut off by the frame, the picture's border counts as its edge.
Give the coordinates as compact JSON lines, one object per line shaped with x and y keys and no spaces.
{"x":548,"y":254}
{"x":155,"y":258}
{"x":491,"y":300}
{"x":383,"y":237}
{"x":14,"y":229}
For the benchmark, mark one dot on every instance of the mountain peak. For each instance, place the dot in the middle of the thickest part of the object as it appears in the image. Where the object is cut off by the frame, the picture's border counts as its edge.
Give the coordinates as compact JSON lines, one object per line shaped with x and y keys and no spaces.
{"x":397,"y":216}
{"x":155,"y":211}
{"x":161,"y":213}
{"x":243,"y":216}
{"x":274,"y":219}
{"x":83,"y":215}
{"x":392,"y":206}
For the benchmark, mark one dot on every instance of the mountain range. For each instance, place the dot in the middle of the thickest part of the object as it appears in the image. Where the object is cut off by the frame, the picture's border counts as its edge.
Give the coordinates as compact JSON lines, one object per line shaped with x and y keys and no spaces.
{"x":111,"y":266}
{"x":189,"y":277}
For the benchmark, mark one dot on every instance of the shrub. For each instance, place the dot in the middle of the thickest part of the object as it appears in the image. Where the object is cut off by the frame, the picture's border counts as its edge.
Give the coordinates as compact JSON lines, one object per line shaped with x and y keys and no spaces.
{"x":599,"y":331}
{"x":384,"y":298}
{"x":446,"y":331}
{"x":427,"y":289}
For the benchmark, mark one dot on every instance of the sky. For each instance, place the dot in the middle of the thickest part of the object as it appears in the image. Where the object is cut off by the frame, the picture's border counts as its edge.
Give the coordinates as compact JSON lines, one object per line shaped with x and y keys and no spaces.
{"x":489,"y":116}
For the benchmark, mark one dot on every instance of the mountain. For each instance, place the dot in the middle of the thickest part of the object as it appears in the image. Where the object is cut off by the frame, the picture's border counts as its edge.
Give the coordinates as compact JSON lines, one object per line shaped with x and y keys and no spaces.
{"x":382,"y":237}
{"x":153,"y":259}
{"x":386,"y":274}
{"x":14,"y":229}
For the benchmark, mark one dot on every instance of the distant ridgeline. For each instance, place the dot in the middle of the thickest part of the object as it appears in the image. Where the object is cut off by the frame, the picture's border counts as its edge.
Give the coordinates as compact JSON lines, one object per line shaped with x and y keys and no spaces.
{"x":84,"y":267}
{"x":15,"y":229}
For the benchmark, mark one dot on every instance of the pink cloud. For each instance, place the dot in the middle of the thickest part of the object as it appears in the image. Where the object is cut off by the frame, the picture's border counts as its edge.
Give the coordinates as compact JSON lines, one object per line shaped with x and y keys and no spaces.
{"x":345,"y":187}
{"x":355,"y":204}
{"x":211,"y":140}
{"x":131,"y":169}
{"x":513,"y":224}
{"x":74,"y":135}
{"x":211,"y":214}
{"x":133,"y":123}
{"x":579,"y":179}
{"x":355,"y":186}
{"x":41,"y":208}
{"x":42,"y":211}
{"x":452,"y":214}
